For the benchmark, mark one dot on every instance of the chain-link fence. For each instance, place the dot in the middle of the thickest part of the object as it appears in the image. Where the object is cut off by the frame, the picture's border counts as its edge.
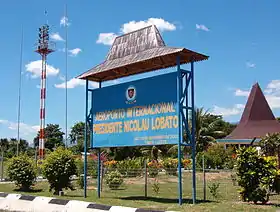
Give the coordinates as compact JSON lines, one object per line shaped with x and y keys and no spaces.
{"x":162,"y":184}
{"x":148,"y":181}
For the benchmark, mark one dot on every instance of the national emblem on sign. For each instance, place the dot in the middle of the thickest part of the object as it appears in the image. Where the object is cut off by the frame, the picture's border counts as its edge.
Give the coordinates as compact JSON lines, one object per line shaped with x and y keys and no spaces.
{"x":130,"y":95}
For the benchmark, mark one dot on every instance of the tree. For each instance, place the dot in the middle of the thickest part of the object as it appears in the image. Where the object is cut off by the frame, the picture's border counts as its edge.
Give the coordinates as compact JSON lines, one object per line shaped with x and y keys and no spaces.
{"x":122,"y":153}
{"x":4,"y":144}
{"x":53,"y":137}
{"x":217,"y":157}
{"x":271,"y":145}
{"x":151,"y":152}
{"x":77,"y":135}
{"x":208,"y":128}
{"x":10,"y":146}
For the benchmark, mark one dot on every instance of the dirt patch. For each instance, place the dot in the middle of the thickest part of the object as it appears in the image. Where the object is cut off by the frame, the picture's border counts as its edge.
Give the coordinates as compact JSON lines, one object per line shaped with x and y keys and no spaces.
{"x":141,"y":181}
{"x":91,"y":188}
{"x":215,"y":175}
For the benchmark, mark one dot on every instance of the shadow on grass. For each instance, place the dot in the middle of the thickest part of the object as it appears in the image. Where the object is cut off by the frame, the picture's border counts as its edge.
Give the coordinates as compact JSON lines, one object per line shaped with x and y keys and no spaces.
{"x":117,"y":189}
{"x":163,"y":200}
{"x":28,"y":190}
{"x":72,"y":195}
{"x":269,"y":204}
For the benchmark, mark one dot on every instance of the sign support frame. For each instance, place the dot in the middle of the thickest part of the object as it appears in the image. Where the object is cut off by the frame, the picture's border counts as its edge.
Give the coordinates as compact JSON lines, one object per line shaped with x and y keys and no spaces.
{"x":186,"y":110}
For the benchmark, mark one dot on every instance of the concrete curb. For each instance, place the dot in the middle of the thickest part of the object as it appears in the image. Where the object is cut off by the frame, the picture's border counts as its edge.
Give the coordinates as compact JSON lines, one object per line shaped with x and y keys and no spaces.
{"x":28,"y":203}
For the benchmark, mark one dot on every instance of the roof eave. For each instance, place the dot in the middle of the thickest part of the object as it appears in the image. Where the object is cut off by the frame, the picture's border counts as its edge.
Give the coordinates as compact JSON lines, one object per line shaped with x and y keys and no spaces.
{"x":185,"y":58}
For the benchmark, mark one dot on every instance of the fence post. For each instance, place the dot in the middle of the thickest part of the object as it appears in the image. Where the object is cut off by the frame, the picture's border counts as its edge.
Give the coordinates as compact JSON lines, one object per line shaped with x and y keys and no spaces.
{"x":2,"y":164}
{"x":146,"y":179}
{"x":36,"y":157}
{"x":204,"y":178}
{"x":102,"y":173}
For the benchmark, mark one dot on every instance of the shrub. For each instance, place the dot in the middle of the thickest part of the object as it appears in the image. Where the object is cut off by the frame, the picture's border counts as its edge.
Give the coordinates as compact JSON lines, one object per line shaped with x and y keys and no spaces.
{"x":276,"y":184}
{"x":156,"y":186}
{"x":153,"y":168}
{"x":270,"y":145}
{"x":114,"y":179}
{"x":81,"y":182}
{"x":233,"y":177}
{"x":130,"y":168}
{"x":186,"y":163}
{"x":216,"y":157}
{"x":170,"y":165}
{"x":58,"y":167}
{"x":256,"y":175}
{"x":111,"y":164}
{"x":214,"y":190}
{"x":22,"y":170}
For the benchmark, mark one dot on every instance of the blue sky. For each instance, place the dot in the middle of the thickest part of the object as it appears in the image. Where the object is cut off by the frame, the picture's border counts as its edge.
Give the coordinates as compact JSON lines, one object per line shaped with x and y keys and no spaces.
{"x":241,"y":38}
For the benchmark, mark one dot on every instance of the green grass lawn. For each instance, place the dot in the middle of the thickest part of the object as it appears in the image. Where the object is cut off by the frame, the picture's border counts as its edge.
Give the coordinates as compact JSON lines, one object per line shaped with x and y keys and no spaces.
{"x":131,"y":194}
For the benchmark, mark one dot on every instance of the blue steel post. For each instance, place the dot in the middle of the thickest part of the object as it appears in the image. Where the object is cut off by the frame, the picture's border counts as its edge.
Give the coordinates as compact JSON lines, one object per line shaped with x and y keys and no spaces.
{"x":187,"y":105}
{"x":179,"y":94}
{"x":99,"y":166}
{"x":85,"y":143}
{"x":193,"y":136}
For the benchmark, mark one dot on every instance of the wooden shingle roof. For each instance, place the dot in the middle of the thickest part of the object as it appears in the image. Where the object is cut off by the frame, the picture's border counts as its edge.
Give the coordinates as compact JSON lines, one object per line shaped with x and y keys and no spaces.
{"x":137,"y":52}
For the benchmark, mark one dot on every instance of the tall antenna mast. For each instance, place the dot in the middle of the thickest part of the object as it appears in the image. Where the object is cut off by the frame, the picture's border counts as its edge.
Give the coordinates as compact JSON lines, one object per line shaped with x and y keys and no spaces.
{"x":43,"y":47}
{"x":66,"y":73}
{"x":19,"y":92}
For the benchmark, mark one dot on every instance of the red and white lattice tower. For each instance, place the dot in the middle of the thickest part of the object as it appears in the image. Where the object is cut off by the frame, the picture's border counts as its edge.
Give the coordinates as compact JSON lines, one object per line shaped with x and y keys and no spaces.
{"x":43,"y":47}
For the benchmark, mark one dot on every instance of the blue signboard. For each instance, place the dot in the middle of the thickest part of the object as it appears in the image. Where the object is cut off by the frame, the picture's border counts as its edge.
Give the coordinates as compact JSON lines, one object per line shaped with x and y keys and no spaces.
{"x":141,"y":112}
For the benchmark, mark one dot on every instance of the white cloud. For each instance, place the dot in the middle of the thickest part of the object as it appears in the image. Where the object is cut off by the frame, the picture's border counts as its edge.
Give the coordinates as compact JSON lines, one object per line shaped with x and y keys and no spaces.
{"x":272,"y":95}
{"x":62,"y":78}
{"x":273,"y":101}
{"x":74,"y":82}
{"x":161,"y":24}
{"x":273,"y":86}
{"x":64,"y":21}
{"x":25,"y":128}
{"x":26,"y":131}
{"x":202,"y":27}
{"x":250,"y":65}
{"x":35,"y":68}
{"x":237,"y":109}
{"x":106,"y":38}
{"x":56,"y":36}
{"x":74,"y":52}
{"x":239,"y":92}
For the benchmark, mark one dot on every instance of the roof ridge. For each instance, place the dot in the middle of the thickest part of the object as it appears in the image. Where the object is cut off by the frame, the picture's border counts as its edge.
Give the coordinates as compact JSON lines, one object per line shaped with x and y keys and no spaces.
{"x":134,"y":31}
{"x":125,"y":34}
{"x":160,"y":36}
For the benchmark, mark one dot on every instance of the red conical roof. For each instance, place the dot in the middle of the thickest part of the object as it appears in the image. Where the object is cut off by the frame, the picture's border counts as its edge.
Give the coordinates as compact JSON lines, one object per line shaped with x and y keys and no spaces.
{"x":257,"y":119}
